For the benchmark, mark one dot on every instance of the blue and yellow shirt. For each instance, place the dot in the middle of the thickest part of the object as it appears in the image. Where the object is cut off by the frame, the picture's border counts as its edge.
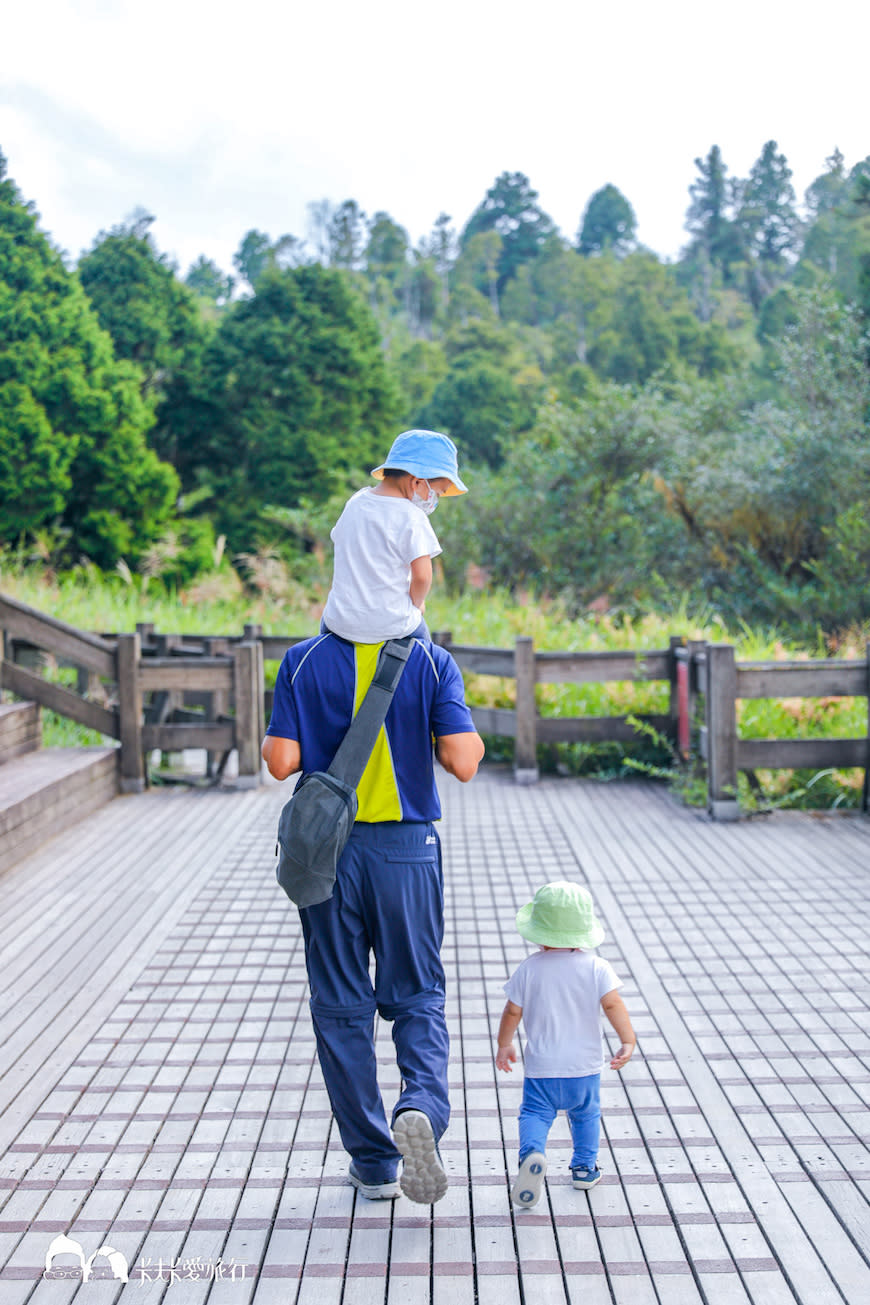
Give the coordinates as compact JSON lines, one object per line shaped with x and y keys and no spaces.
{"x":320,"y":685}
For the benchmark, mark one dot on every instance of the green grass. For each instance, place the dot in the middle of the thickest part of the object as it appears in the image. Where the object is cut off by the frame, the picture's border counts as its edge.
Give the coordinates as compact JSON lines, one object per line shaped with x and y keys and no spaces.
{"x":221,"y":604}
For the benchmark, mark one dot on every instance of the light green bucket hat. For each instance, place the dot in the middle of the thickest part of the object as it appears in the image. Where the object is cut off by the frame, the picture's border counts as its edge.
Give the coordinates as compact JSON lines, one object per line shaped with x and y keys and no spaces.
{"x":562,"y":915}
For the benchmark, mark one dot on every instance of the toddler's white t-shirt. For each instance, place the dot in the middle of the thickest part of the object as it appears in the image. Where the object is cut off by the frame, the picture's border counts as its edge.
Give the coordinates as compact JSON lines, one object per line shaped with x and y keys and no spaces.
{"x":560,"y":993}
{"x":376,"y":539}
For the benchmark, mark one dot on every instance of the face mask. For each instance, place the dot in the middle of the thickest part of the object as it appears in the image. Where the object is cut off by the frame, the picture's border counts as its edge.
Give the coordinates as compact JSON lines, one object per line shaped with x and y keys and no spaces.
{"x":427,"y":505}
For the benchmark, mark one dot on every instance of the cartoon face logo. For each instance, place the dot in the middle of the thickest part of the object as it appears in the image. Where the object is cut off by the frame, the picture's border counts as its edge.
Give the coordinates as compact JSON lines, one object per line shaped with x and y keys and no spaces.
{"x":63,"y":1245}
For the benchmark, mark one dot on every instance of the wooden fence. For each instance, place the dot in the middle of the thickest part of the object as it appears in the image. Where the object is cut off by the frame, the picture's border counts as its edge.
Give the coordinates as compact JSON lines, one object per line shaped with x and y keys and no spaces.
{"x":146,"y":691}
{"x":174,"y":692}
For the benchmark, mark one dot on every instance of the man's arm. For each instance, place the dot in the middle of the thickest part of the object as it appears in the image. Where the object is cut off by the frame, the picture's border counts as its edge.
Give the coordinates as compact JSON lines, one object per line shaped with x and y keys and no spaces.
{"x":460,"y":754}
{"x":283,"y":757}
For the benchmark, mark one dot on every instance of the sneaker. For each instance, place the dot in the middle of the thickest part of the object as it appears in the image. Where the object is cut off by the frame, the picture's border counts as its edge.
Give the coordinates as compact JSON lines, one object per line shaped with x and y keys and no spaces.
{"x":583,"y":1179}
{"x":373,"y":1191}
{"x":423,"y":1178}
{"x":526,"y":1190}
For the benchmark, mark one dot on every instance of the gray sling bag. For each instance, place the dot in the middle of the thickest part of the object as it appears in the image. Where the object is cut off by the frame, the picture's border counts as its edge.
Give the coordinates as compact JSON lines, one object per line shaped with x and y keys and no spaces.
{"x":316,"y":822}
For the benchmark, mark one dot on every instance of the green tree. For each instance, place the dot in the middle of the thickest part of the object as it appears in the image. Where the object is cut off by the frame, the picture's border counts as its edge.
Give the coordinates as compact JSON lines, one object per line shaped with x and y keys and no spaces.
{"x":609,"y":222}
{"x":387,"y":249}
{"x":154,"y":321}
{"x":206,"y":280}
{"x":296,"y":395}
{"x":511,"y":208}
{"x":489,"y":393}
{"x":348,"y":236}
{"x":73,"y":428}
{"x":258,"y":254}
{"x":768,"y":220}
{"x":152,"y":318}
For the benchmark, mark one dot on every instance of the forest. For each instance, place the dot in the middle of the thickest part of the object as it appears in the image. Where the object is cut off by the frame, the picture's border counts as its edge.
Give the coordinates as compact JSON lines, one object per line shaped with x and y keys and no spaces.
{"x":638,"y":434}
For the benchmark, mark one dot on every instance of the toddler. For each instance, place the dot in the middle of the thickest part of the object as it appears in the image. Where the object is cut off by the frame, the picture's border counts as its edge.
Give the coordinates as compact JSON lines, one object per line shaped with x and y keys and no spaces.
{"x":557,"y":993}
{"x":384,"y":543}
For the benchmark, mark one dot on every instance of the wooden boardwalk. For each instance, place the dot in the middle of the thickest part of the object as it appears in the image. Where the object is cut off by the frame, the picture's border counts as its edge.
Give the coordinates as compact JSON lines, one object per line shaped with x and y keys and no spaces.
{"x":160,"y":1094}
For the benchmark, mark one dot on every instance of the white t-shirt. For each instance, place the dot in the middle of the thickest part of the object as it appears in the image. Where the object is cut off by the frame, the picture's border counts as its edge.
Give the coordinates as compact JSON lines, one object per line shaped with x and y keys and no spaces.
{"x":560,"y":993}
{"x":376,"y":538}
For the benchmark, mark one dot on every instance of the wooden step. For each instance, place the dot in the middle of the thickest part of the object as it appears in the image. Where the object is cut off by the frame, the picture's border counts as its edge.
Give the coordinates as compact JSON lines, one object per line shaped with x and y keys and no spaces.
{"x":42,"y":793}
{"x":20,"y":729}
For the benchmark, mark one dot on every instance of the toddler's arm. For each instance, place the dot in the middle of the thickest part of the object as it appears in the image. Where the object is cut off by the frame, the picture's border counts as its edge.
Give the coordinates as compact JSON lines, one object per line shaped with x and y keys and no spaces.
{"x":421,"y":580}
{"x":614,"y":1008}
{"x":510,"y":1019}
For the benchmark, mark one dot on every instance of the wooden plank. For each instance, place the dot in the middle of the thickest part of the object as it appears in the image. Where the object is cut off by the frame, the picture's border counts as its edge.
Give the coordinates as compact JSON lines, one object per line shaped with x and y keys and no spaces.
{"x":202,"y":673}
{"x":801,"y":754}
{"x":175,"y":738}
{"x":57,"y":637}
{"x":59,"y":699}
{"x":822,"y":678}
{"x":577,"y":729}
{"x":602,"y":667}
{"x":495,"y":720}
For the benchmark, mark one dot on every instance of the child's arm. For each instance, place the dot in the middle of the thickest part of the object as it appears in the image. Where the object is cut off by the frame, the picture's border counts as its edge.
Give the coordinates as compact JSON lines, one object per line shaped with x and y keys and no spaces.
{"x":510,"y":1019}
{"x":421,"y":580}
{"x":614,"y":1008}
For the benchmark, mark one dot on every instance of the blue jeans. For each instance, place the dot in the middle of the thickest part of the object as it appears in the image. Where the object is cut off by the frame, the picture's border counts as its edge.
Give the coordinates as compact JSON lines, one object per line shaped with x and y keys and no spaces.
{"x":579,"y":1097}
{"x":388,"y":900}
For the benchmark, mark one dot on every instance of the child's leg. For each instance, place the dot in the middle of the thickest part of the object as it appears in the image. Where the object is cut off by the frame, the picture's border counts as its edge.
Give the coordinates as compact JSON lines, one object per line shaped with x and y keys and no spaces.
{"x":584,"y":1116}
{"x":537,"y":1112}
{"x":422,"y":632}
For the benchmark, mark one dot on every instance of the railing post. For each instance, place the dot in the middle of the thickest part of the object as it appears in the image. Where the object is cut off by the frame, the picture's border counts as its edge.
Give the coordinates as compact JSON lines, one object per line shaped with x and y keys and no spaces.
{"x":525,"y":740}
{"x":678,"y":667}
{"x":250,"y":728}
{"x":130,"y":713}
{"x":721,"y":719}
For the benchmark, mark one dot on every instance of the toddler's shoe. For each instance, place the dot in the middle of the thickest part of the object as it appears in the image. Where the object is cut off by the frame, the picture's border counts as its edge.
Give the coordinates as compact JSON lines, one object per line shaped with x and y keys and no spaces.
{"x":526,"y":1190}
{"x":583,"y":1179}
{"x":373,"y":1191}
{"x":423,"y":1178}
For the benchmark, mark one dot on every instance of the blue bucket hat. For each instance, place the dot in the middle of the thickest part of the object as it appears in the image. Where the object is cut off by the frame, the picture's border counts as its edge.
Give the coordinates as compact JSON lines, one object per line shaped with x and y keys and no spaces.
{"x":427,"y":454}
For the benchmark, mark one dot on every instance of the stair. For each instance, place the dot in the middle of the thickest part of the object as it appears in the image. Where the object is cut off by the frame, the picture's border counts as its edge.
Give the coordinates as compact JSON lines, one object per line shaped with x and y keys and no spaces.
{"x":44,"y":790}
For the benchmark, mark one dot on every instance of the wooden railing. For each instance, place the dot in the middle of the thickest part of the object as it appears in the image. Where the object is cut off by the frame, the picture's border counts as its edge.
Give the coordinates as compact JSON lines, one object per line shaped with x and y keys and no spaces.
{"x":169,"y":702}
{"x":172,"y":692}
{"x":714,"y":672}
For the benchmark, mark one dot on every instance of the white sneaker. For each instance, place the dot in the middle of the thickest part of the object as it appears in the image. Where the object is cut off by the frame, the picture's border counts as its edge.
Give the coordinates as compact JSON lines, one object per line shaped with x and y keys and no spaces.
{"x":373,"y":1191}
{"x":423,"y":1178}
{"x":526,"y":1190}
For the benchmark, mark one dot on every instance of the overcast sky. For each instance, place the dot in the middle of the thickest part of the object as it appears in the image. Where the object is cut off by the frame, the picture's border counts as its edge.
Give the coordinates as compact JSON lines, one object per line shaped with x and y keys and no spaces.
{"x":219,"y":117}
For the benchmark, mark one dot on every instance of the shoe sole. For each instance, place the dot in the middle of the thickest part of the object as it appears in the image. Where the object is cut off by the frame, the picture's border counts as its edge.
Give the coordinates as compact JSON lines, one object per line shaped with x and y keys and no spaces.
{"x":423,"y":1178}
{"x":582,"y":1186}
{"x":526,"y":1190}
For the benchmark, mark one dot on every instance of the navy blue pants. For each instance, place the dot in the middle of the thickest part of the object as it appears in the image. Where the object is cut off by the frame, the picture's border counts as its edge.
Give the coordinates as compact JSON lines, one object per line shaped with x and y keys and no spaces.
{"x":388,"y":900}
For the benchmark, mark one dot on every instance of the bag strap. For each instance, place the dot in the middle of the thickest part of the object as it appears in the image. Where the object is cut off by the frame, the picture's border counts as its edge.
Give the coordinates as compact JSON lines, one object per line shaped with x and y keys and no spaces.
{"x":356,"y":747}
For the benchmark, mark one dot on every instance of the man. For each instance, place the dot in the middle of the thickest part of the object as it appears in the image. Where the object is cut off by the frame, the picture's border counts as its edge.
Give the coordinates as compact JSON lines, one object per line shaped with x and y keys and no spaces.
{"x":388,"y":899}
